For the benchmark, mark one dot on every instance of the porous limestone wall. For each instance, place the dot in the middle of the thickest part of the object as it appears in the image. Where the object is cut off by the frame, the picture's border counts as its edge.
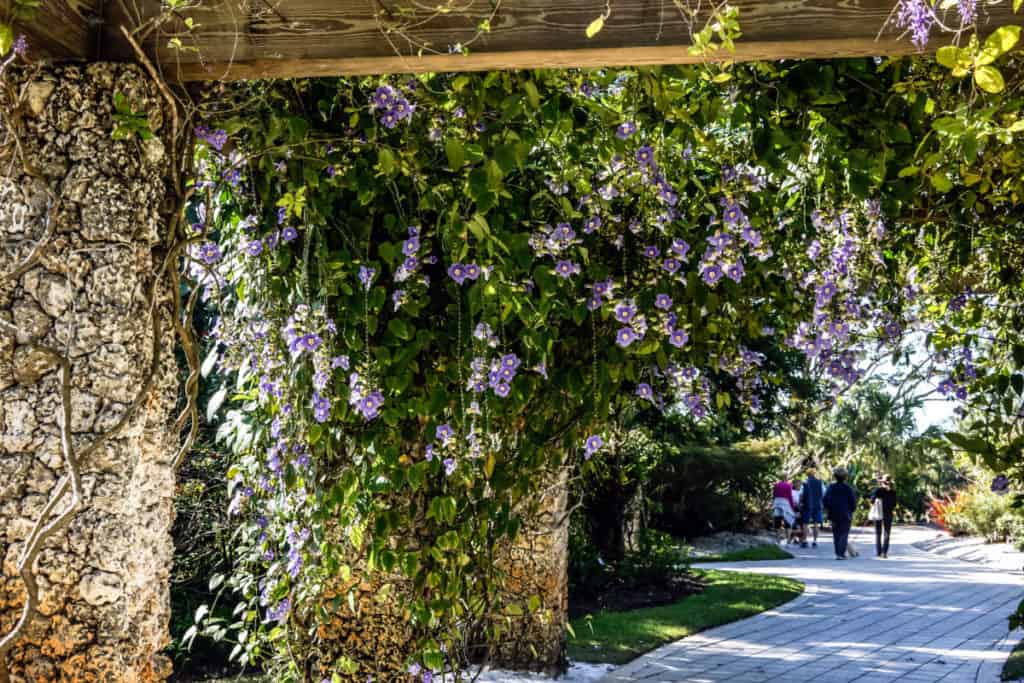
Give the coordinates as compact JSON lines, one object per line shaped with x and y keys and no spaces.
{"x":537,"y":565}
{"x":104,"y":607}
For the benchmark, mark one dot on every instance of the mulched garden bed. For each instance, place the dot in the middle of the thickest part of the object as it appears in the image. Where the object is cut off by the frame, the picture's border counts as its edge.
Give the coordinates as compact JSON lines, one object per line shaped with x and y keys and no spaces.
{"x":619,"y":596}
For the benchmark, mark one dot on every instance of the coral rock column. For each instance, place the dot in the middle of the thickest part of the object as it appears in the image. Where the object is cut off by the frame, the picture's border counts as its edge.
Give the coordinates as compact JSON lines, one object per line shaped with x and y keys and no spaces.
{"x":82,"y":219}
{"x":536,"y":566}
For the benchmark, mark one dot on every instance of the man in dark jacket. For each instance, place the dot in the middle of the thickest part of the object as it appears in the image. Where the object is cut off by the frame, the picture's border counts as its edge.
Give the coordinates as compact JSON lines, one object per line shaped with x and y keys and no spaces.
{"x":840,"y":501}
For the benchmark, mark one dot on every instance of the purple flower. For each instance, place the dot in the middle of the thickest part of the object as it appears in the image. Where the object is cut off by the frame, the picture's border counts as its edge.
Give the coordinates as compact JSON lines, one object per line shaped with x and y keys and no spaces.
{"x":651,"y":252}
{"x":457,"y":272}
{"x":663,"y":301}
{"x":369,"y":405}
{"x":502,"y":389}
{"x":472,"y":271}
{"x":678,"y":338}
{"x":735,"y":271}
{"x":645,"y":157}
{"x":340,"y":362}
{"x":20,"y":45}
{"x":288,"y":234}
{"x":397,"y":298}
{"x":733,"y":214}
{"x":680,"y":248}
{"x":566,"y":269}
{"x":967,"y":9}
{"x":625,"y":312}
{"x":444,"y":433}
{"x":209,"y":253}
{"x":625,"y":130}
{"x":712,"y":274}
{"x":254,"y":248}
{"x":367,"y":275}
{"x":917,"y":17}
{"x":592,"y":224}
{"x":671,"y":265}
{"x":591,"y":446}
{"x":449,"y":468}
{"x":643,"y":390}
{"x":321,"y":407}
{"x":215,"y":138}
{"x":625,"y":337}
{"x":383,"y":97}
{"x":411,"y":246}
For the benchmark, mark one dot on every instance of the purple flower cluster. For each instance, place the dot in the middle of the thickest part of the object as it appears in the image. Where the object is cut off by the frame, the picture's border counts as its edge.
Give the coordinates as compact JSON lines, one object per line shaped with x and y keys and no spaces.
{"x":460,"y":272}
{"x":917,"y":17}
{"x":215,"y":138}
{"x":591,"y":445}
{"x":391,"y":106}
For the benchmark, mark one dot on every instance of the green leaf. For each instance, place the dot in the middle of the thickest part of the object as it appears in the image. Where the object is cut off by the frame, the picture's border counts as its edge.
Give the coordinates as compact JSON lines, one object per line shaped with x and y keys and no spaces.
{"x":948,"y":125}
{"x":999,"y":43}
{"x":948,"y":56}
{"x":989,"y":79}
{"x":532,"y":94}
{"x":456,"y":154}
{"x":968,"y":443}
{"x":6,"y":39}
{"x":1017,"y":4}
{"x":595,"y":27}
{"x":940,"y":181}
{"x":386,"y":159}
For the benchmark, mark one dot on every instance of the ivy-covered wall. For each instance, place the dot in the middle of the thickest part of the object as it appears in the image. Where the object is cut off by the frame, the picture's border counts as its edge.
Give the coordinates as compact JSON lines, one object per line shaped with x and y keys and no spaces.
{"x":94,"y":202}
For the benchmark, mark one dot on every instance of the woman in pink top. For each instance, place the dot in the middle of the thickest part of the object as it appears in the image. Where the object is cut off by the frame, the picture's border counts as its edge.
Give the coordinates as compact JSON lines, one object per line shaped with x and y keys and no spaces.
{"x":783,"y":505}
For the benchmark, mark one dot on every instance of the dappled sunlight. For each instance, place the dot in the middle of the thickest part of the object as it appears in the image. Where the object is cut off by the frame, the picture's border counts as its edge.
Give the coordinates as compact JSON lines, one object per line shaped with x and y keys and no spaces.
{"x":941,"y":619}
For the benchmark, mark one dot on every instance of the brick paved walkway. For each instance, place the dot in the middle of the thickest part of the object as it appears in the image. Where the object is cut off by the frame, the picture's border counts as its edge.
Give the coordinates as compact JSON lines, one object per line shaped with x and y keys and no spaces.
{"x":916,"y":618}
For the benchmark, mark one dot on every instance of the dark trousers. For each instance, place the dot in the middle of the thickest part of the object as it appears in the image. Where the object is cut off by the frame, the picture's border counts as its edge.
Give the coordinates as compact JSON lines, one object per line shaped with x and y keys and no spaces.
{"x":840,"y":535}
{"x":883,"y":529}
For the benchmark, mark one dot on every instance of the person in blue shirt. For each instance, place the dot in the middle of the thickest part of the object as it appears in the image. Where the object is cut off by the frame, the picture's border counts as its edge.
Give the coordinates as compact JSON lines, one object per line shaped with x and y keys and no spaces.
{"x":840,"y":501}
{"x":810,"y":504}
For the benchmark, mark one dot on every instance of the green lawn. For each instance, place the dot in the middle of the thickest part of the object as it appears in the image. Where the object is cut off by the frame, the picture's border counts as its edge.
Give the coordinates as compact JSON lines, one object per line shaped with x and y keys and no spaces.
{"x":1013,"y":669}
{"x":617,"y":637}
{"x":757,"y":553}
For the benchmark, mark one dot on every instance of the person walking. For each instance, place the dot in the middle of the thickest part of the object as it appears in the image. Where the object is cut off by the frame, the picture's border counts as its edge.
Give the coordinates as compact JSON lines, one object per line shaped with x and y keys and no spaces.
{"x":810,"y":504}
{"x":840,"y":501}
{"x":883,"y":507}
{"x":783,"y":508}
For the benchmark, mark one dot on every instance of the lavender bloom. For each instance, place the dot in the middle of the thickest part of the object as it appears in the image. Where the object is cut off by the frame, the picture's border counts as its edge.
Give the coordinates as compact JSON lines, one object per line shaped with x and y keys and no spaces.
{"x":383,"y":97}
{"x":369,"y":406}
{"x":20,"y":45}
{"x":678,"y":338}
{"x":625,"y":130}
{"x":712,"y":274}
{"x":340,"y":362}
{"x":735,"y":271}
{"x":502,"y":389}
{"x":591,"y":446}
{"x":663,"y":301}
{"x":968,"y":10}
{"x":645,"y":157}
{"x":625,"y":312}
{"x":643,"y":390}
{"x":215,"y":138}
{"x":254,"y":248}
{"x":444,"y":433}
{"x":398,"y":298}
{"x":472,"y":271}
{"x":671,"y":265}
{"x":915,"y":16}
{"x":288,"y":234}
{"x":449,"y":468}
{"x":566,"y":269}
{"x":457,"y":272}
{"x":680,"y":248}
{"x":651,"y":252}
{"x":592,"y":224}
{"x":321,"y":407}
{"x":428,"y":452}
{"x":209,"y":253}
{"x":625,"y":337}
{"x":367,"y":275}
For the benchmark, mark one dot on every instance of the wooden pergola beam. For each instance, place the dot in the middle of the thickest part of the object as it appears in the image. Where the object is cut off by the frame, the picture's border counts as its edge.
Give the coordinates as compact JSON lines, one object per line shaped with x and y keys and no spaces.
{"x":301,"y":38}
{"x":60,"y":29}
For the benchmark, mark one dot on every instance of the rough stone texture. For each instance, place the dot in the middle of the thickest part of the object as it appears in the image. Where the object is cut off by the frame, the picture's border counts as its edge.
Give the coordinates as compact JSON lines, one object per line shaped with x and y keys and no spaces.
{"x":537,"y":565}
{"x":104,"y":606}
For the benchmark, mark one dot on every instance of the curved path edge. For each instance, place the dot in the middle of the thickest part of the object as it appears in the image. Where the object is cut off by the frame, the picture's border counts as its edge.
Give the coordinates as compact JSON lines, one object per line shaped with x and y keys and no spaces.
{"x":916,"y":618}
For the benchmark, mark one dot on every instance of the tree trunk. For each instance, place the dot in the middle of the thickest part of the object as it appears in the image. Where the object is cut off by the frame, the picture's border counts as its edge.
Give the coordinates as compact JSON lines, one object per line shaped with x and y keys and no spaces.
{"x":92,"y":205}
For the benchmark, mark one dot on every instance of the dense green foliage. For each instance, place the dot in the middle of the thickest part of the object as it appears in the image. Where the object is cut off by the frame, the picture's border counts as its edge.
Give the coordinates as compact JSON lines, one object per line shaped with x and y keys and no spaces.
{"x":364,"y":440}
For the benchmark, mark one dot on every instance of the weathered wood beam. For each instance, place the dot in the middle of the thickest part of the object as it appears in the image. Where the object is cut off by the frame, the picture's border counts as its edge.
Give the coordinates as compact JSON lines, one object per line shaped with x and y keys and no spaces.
{"x":60,"y":29}
{"x":298,"y":38}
